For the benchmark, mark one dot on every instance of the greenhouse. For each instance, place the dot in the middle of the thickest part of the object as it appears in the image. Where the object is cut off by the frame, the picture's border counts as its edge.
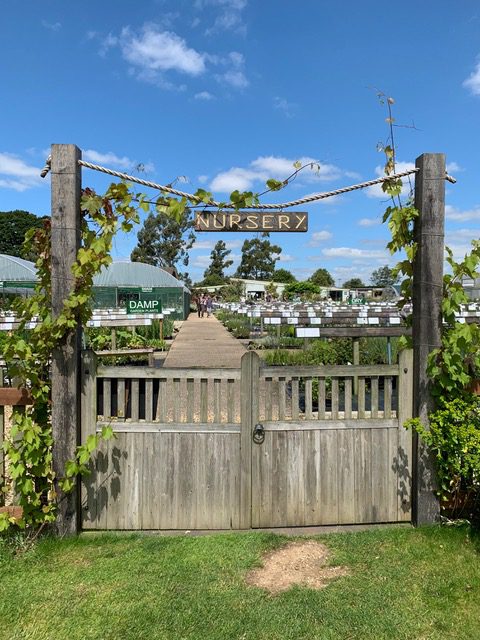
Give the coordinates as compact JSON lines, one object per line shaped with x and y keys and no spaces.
{"x":17,"y":276}
{"x":113,"y":287}
{"x":122,"y":281}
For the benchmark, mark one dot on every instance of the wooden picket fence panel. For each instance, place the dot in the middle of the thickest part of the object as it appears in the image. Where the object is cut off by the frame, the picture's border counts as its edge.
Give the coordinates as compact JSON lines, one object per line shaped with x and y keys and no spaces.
{"x":185,"y":457}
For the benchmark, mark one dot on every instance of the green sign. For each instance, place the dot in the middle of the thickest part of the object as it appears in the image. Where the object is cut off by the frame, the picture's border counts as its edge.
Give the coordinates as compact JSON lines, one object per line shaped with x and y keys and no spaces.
{"x":144,"y":306}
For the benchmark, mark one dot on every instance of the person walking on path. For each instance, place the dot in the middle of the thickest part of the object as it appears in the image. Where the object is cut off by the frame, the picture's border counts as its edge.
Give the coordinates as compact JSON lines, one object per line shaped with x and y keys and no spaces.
{"x":198,"y":304}
{"x":204,"y":304}
{"x":209,"y":304}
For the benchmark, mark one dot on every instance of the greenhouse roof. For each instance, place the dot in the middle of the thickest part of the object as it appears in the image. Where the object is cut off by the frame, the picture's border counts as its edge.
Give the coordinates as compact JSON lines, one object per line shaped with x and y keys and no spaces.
{"x":135,"y":274}
{"x":15,"y":269}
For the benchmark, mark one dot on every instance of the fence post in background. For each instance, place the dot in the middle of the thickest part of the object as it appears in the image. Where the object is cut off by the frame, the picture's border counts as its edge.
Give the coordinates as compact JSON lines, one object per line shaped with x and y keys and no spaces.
{"x":249,"y":383}
{"x":65,"y":229}
{"x":404,"y":448}
{"x":427,"y":320}
{"x":356,"y":361}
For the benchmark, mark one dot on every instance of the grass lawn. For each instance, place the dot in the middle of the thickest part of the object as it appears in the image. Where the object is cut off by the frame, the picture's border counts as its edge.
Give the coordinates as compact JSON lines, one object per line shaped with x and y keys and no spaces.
{"x":403,"y":583}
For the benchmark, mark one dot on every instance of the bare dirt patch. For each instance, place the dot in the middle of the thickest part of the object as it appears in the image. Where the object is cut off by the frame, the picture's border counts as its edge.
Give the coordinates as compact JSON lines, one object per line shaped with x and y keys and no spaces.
{"x":302,"y":563}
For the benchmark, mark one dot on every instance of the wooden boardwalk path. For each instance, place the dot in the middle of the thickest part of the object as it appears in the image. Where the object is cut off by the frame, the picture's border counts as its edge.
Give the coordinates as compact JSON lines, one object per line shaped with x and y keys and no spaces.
{"x":204,"y":342}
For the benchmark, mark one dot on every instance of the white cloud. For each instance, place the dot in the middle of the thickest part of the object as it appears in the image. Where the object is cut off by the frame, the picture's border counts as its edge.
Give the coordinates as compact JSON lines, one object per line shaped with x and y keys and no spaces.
{"x":235,"y":73}
{"x":235,"y":78}
{"x":285,"y":257}
{"x":460,"y":241}
{"x":452,"y":213}
{"x":235,"y":178}
{"x":109,"y":158}
{"x":204,"y":95}
{"x":266,"y":167}
{"x":156,"y":51}
{"x":408,"y":181}
{"x":229,"y":17}
{"x":319,"y":236}
{"x":283,"y":105}
{"x":201,"y":262}
{"x":472,"y":83}
{"x":454,"y":167}
{"x":203,"y":244}
{"x":16,"y":174}
{"x":52,"y":26}
{"x":202,"y":179}
{"x":369,"y":222}
{"x":352,"y":252}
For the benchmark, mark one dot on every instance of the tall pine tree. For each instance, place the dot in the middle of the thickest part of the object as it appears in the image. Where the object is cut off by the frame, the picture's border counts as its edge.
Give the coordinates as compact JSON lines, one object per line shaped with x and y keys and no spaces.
{"x":164,"y":241}
{"x":215,"y":273}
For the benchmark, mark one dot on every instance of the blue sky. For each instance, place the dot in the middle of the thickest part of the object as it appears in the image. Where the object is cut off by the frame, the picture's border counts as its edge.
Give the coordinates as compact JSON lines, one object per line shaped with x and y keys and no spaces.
{"x":228,"y":93}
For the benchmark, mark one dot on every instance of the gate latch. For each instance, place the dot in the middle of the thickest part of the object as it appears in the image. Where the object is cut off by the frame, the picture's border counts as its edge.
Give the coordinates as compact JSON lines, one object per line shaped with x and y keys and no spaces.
{"x":258,"y":433}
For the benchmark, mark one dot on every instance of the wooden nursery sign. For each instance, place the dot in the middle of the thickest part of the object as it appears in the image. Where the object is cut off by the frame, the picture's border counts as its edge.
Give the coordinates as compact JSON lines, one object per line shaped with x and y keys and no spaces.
{"x":251,"y":221}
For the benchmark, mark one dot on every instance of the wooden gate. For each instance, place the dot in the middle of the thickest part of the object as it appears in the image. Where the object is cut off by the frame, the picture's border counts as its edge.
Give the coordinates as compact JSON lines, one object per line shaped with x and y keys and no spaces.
{"x":326,"y":455}
{"x":250,"y":447}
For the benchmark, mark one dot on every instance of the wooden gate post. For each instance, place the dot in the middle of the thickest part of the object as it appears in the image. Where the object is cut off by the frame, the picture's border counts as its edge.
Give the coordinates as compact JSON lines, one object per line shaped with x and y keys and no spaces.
{"x":65,"y":221}
{"x":250,"y":375}
{"x":427,"y":320}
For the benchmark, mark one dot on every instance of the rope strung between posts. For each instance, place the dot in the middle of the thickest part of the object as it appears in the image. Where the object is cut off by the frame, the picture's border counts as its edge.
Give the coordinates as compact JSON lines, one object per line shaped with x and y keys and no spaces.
{"x":214,"y":203}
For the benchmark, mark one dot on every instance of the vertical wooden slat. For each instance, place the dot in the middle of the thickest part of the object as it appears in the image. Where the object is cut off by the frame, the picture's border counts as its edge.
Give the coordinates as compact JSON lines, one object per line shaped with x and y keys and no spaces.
{"x":308,"y":399}
{"x":121,"y":398}
{"x":204,"y":400}
{"x":321,"y":398}
{"x":374,"y":397}
{"x":268,"y":398}
{"x":348,"y":398}
{"x":177,"y":400}
{"x":216,"y":401}
{"x":148,"y":400}
{"x":403,"y":457}
{"x":335,"y":398}
{"x":135,"y":392}
{"x":107,"y":398}
{"x":281,"y":398}
{"x":328,"y":477}
{"x":363,"y":474}
{"x":250,"y":375}
{"x":346,"y":476}
{"x":279,"y":460}
{"x":168,"y":478}
{"x":185,"y":481}
{"x":161,"y":412}
{"x":361,"y":397}
{"x":150,"y":481}
{"x":230,"y":400}
{"x":190,"y":399}
{"x":382,"y":475}
{"x":387,"y":397}
{"x":295,"y":399}
{"x":295,"y":515}
{"x":311,"y":467}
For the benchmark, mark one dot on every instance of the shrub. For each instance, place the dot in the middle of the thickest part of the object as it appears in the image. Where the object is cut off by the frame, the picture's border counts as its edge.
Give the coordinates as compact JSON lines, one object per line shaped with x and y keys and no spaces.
{"x":454,"y":439}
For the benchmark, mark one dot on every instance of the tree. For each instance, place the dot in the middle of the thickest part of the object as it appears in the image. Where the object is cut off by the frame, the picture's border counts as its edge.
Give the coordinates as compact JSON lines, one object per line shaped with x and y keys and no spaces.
{"x":353,"y":283}
{"x":215,"y":273}
{"x":258,"y":259}
{"x":283,"y":275}
{"x":322,"y":278}
{"x":13,"y":227}
{"x":164,"y":241}
{"x":306,"y":290}
{"x":383,"y":277}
